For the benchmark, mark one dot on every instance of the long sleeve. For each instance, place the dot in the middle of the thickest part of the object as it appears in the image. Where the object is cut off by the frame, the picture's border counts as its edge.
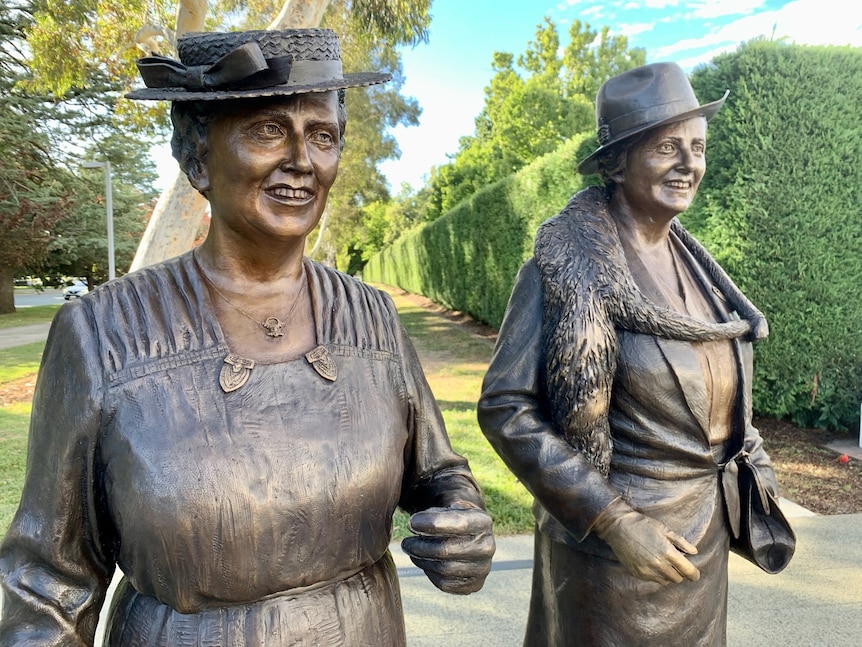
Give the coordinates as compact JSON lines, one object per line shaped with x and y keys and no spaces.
{"x":435,"y":476}
{"x":55,"y":563}
{"x":513,"y":416}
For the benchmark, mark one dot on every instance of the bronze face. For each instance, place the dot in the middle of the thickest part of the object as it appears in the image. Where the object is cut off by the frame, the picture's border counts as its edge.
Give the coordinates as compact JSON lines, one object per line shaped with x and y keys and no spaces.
{"x":664,"y":169}
{"x":267,"y":171}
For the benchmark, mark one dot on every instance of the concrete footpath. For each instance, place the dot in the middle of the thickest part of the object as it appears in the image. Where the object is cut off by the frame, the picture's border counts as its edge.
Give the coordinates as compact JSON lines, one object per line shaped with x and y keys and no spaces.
{"x":11,"y":337}
{"x":815,"y":602}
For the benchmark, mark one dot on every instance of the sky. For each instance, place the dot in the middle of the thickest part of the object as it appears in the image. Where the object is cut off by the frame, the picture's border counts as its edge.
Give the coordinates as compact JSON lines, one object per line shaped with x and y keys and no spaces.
{"x":448,"y":74}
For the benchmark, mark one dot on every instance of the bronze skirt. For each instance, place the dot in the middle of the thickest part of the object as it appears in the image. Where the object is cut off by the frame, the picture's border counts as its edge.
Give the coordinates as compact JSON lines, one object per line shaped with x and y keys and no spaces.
{"x":363,"y":610}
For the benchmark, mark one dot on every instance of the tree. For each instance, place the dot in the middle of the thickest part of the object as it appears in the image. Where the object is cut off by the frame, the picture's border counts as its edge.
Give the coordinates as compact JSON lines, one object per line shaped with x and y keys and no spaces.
{"x":41,"y":146}
{"x":33,"y":194}
{"x":532,"y":106}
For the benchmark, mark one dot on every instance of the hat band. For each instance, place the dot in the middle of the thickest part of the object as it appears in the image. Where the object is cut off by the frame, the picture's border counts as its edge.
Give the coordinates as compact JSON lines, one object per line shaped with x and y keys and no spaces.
{"x":311,"y":72}
{"x":618,"y":126}
{"x":244,"y":68}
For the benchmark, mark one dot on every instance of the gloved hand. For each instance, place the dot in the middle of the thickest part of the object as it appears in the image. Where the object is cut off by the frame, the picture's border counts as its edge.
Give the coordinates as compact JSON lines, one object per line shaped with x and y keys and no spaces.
{"x":646,"y":547}
{"x":453,"y":545}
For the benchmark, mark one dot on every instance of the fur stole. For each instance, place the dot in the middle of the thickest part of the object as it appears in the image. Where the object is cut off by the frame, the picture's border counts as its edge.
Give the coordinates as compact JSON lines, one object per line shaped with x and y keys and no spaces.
{"x":588,"y":293}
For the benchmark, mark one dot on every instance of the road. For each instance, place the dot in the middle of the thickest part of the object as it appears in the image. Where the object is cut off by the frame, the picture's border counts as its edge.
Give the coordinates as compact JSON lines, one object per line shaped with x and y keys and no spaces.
{"x":30,"y":297}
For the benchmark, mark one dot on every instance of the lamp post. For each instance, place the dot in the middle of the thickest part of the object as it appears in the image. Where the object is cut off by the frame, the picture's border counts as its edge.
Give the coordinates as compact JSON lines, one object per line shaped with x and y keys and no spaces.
{"x":109,"y":206}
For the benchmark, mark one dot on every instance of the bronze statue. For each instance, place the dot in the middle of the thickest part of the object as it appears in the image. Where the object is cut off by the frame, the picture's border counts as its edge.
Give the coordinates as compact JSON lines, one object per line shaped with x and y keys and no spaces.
{"x":235,"y":427}
{"x":621,"y":386}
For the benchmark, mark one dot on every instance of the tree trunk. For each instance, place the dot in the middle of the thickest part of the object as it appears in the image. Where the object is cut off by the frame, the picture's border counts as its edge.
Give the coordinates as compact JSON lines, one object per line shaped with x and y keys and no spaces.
{"x":180,"y":209}
{"x":7,"y":290}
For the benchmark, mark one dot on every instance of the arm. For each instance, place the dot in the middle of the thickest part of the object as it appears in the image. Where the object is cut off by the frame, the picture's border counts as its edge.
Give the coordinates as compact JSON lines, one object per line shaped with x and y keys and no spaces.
{"x":54,"y":563}
{"x":453,"y":540}
{"x":514,"y":418}
{"x":512,"y":415}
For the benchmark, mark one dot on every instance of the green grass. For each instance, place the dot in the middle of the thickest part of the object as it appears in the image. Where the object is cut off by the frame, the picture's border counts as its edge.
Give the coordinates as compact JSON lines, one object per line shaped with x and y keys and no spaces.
{"x":454,"y":362}
{"x":20,"y":361}
{"x":14,"y":422}
{"x":29,"y":316}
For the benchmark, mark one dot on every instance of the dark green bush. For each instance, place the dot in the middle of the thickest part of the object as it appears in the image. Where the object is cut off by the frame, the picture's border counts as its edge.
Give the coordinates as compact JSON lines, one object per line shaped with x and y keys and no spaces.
{"x":780,"y":209}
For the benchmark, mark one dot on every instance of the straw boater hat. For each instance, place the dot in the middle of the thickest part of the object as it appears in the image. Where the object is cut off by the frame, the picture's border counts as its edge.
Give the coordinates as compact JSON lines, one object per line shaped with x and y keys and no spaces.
{"x":247,"y":64}
{"x":640,"y":99}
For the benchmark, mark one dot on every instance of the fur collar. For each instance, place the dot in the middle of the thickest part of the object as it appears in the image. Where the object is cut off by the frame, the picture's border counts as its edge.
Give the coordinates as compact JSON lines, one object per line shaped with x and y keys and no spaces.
{"x":588,"y":293}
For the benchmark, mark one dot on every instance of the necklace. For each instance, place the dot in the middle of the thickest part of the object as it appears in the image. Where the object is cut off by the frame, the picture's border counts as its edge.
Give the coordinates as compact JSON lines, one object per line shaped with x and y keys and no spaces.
{"x":273,"y":325}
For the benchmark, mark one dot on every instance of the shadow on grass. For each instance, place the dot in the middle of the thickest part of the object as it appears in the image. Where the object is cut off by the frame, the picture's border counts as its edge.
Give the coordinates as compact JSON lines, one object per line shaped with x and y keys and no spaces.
{"x":456,"y":405}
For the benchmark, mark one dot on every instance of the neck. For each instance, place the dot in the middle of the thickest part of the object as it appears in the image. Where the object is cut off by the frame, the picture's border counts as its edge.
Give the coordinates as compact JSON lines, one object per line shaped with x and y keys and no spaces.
{"x":642,"y":230}
{"x":242,"y":263}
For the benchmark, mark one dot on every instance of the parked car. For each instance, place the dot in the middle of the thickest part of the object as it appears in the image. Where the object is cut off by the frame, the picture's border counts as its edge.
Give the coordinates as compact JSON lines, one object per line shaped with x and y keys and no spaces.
{"x":31,"y":281}
{"x":75,"y":290}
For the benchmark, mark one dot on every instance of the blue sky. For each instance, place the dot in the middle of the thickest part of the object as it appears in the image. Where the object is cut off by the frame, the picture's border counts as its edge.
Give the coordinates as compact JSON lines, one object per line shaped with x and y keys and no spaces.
{"x":449,"y":73}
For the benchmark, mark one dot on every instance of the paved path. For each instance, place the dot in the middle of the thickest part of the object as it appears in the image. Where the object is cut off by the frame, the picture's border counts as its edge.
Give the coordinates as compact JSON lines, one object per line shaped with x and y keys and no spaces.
{"x":10,"y":337}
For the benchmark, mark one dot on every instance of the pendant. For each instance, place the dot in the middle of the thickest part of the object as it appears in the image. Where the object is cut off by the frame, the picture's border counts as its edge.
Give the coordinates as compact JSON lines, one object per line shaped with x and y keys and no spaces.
{"x":322,"y":362}
{"x":235,"y":372}
{"x":274,"y":327}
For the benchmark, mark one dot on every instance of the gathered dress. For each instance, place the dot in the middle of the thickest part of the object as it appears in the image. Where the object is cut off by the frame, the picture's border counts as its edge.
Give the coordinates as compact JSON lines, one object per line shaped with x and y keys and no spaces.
{"x":258,"y":516}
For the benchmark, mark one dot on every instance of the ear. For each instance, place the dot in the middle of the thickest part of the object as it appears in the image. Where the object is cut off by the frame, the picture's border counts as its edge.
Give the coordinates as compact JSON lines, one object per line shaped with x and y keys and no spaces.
{"x":198,"y":172}
{"x":619,"y":176}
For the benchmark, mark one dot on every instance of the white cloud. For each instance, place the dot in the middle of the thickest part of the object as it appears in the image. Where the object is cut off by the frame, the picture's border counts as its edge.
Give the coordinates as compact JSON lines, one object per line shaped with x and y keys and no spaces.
{"x":708,"y":10}
{"x":805,"y":22}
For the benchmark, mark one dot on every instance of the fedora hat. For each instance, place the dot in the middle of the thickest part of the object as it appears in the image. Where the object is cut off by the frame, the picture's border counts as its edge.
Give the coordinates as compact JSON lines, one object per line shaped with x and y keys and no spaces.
{"x":643,"y":98}
{"x":216,"y":66}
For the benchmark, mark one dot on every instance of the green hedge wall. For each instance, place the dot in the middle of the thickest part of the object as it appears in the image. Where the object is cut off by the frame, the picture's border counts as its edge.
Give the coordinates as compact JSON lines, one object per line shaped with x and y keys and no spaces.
{"x":467,"y":259}
{"x":779,"y":207}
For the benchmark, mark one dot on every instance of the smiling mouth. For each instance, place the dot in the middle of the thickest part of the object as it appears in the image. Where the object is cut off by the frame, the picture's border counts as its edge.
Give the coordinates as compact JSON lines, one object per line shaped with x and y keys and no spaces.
{"x":679,"y":184}
{"x":289,"y":194}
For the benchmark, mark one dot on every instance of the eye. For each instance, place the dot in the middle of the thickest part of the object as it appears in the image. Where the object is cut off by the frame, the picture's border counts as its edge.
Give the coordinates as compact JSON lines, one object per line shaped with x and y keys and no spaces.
{"x":268,"y":130}
{"x":323,"y":137}
{"x":699,"y":149}
{"x":666,"y":147}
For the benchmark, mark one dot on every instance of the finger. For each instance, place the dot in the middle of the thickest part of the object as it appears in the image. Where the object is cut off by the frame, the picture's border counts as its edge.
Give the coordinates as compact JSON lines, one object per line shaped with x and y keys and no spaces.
{"x":455,"y":576}
{"x":465,"y":548}
{"x":682,"y":543}
{"x":684,"y":567}
{"x":450,"y":522}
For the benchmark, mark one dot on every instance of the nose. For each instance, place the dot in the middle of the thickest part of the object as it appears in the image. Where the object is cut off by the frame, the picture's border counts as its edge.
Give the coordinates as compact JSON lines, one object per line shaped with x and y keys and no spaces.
{"x":689,"y":160}
{"x":296,"y":157}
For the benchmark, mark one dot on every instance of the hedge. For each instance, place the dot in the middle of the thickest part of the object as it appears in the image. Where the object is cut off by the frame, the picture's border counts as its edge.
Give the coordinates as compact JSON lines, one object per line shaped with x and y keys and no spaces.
{"x":467,"y":259}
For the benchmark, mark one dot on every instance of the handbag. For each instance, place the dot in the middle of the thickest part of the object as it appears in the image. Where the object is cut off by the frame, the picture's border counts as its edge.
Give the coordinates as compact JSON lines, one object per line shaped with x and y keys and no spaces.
{"x":760,"y":533}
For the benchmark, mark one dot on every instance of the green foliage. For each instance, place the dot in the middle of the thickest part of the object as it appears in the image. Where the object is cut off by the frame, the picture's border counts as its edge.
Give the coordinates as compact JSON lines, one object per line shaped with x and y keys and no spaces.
{"x":468,"y":259}
{"x":780,"y":209}
{"x":531,"y":108}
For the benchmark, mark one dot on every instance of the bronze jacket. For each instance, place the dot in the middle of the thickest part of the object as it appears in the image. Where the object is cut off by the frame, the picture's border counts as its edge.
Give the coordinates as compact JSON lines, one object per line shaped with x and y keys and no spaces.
{"x":654,"y":403}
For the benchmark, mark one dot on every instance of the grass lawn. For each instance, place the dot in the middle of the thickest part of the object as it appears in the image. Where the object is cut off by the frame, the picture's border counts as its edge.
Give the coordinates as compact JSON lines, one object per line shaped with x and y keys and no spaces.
{"x":28,"y":316}
{"x":454,"y":362}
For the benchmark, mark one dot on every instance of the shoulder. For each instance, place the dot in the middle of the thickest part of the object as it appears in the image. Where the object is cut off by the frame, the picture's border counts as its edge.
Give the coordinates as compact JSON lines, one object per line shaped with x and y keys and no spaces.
{"x":354,"y":313}
{"x":583,"y":230}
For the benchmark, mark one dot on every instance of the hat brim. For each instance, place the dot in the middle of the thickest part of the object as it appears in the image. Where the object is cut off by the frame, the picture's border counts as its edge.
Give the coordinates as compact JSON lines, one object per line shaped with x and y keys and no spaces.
{"x":589,"y":165}
{"x":354,"y":80}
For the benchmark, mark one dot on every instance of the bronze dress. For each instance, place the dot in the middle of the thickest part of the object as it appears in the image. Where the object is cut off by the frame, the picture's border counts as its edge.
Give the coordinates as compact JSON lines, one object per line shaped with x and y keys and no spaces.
{"x":255,"y":517}
{"x":675,"y":411}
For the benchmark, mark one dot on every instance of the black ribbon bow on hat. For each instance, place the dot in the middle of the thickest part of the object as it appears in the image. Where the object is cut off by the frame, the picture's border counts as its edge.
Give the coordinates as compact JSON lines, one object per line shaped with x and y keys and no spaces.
{"x":244,"y":68}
